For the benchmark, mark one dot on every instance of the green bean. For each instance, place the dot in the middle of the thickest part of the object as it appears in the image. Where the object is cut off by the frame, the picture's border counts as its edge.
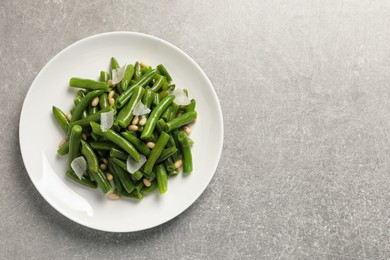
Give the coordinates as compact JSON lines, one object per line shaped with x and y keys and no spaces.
{"x":166,"y":153}
{"x":158,"y":84}
{"x":146,"y":70}
{"x":135,"y":194}
{"x":163,"y":71}
{"x":166,"y":92}
{"x":89,"y":84}
{"x":83,"y":181}
{"x":129,"y":72}
{"x":64,"y":149}
{"x":184,"y":119}
{"x":186,"y":151}
{"x":169,"y":165}
{"x":139,"y":186}
{"x":147,"y":98}
{"x":162,"y":178}
{"x":93,"y":167}
{"x":167,"y":113}
{"x":150,"y":176}
{"x":156,"y":151}
{"x":137,"y":71}
{"x":156,"y":99}
{"x":177,"y":155}
{"x":173,"y":173}
{"x":74,"y":143}
{"x":151,"y":188}
{"x":154,"y":117}
{"x":103,"y":145}
{"x":61,"y":118}
{"x":174,"y":110}
{"x":137,"y":175}
{"x":117,"y":139}
{"x":191,"y":106}
{"x":116,"y":153}
{"x":114,"y":65}
{"x":77,"y":100}
{"x":138,"y":144}
{"x":79,"y":109}
{"x":126,"y":114}
{"x":122,"y":99}
{"x":122,"y":175}
{"x":115,"y":178}
{"x":103,"y":101}
{"x":92,"y":110}
{"x":104,"y":76}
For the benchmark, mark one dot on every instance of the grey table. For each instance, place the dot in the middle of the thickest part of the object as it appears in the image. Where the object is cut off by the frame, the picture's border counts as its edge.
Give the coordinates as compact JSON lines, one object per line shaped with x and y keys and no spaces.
{"x":305,"y":92}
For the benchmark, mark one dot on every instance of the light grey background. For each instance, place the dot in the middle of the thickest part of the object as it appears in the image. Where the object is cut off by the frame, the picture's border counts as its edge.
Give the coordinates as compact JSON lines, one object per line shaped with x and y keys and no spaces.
{"x":305,"y":92}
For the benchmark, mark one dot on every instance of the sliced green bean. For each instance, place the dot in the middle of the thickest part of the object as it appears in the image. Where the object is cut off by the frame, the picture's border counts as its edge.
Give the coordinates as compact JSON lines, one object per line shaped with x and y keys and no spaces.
{"x":126,"y":114}
{"x":104,"y":76}
{"x":155,"y":116}
{"x":162,"y":178}
{"x":123,"y":176}
{"x":92,"y":110}
{"x":137,"y":175}
{"x":146,"y":70}
{"x":186,"y":151}
{"x":89,"y":84}
{"x":93,"y":167}
{"x":122,"y":99}
{"x":137,"y":71}
{"x":116,"y":153}
{"x":174,"y":110}
{"x":61,"y":118}
{"x":158,"y":84}
{"x":64,"y":149}
{"x":166,"y":92}
{"x":113,"y":65}
{"x":184,"y":119}
{"x":166,"y":153}
{"x":156,"y":151}
{"x":74,"y":143}
{"x":191,"y":106}
{"x":129,"y":72}
{"x":117,"y":139}
{"x":167,"y":113}
{"x":156,"y":99}
{"x":83,"y":181}
{"x":151,"y":188}
{"x":163,"y":71}
{"x":103,"y":101}
{"x":103,"y":145}
{"x":169,"y":165}
{"x":138,"y":144}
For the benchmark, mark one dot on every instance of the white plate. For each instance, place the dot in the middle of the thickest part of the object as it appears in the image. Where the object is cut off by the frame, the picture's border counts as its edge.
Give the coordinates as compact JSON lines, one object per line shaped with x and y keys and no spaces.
{"x":39,"y":133}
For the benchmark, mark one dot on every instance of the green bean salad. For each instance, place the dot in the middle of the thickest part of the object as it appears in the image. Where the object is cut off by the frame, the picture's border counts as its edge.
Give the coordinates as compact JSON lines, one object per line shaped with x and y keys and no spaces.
{"x":128,"y":132}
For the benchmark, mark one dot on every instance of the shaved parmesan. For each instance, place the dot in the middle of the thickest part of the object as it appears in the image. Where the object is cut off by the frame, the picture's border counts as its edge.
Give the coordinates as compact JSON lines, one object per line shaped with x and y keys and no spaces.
{"x":106,"y":120}
{"x":118,"y":74}
{"x":180,"y":97}
{"x":79,"y":166}
{"x":133,"y":166}
{"x":141,"y":109}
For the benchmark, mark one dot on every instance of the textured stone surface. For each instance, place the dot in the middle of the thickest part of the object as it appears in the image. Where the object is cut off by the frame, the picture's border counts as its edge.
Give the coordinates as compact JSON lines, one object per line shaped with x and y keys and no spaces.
{"x":305,"y":92}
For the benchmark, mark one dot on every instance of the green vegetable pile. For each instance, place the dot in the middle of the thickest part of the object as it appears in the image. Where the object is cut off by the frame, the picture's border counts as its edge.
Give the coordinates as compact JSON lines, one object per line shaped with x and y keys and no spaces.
{"x":128,"y":132}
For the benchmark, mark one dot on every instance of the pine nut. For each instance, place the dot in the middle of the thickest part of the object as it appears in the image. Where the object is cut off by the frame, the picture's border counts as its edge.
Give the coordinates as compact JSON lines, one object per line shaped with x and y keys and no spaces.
{"x":69,"y":116}
{"x":111,"y":101}
{"x":95,"y":102}
{"x":147,"y":182}
{"x":110,"y":83}
{"x":178,"y":164}
{"x":132,"y":128}
{"x":63,"y":141}
{"x":143,"y":120}
{"x":105,"y":161}
{"x":113,"y":196}
{"x":135,"y":120}
{"x":111,"y":94}
{"x":84,"y":136}
{"x":103,"y":166}
{"x":186,"y":130}
{"x":150,"y":145}
{"x":109,"y":176}
{"x":143,"y":64}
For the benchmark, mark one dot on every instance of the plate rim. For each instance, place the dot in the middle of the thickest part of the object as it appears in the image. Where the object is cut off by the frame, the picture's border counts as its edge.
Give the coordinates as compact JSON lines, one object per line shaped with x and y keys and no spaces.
{"x":55,"y":57}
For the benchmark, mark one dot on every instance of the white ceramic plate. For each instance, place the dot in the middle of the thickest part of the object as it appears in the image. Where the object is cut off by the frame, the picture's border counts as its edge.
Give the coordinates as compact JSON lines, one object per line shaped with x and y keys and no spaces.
{"x":39,"y":133}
